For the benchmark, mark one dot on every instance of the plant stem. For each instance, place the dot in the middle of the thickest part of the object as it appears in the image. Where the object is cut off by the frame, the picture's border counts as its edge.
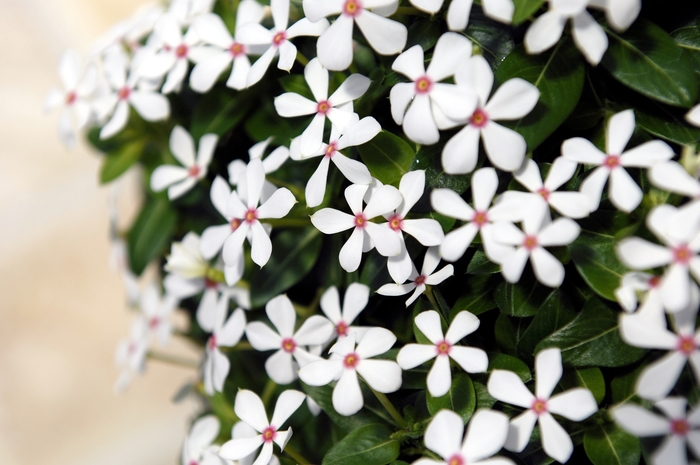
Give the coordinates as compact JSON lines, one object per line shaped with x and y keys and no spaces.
{"x":384,"y":400}
{"x":431,"y":297}
{"x":173,"y":360}
{"x":243,"y":345}
{"x":295,"y":455}
{"x":302,"y":59}
{"x":268,"y":391}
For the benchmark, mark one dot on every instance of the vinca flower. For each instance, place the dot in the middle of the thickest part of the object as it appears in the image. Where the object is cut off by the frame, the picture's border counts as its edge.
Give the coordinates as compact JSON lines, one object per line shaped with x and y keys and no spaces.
{"x":365,"y":233}
{"x":178,"y":179}
{"x":277,"y":40}
{"x":250,"y":409}
{"x":620,"y":14}
{"x":243,"y":430}
{"x":225,"y":333}
{"x":680,"y":428}
{"x":649,"y":284}
{"x":315,"y":330}
{"x":672,"y":177}
{"x":199,"y":447}
{"x":334,"y":107}
{"x":530,"y":242}
{"x":575,"y":404}
{"x":504,"y":147}
{"x":624,"y":193}
{"x":271,"y":163}
{"x":418,"y":282}
{"x":693,"y":116}
{"x":335,"y":46}
{"x":442,"y":349}
{"x":459,"y":10}
{"x":155,"y":312}
{"x":354,"y":301}
{"x":659,"y":377}
{"x":426,"y":90}
{"x":347,"y":361}
{"x":486,"y":434}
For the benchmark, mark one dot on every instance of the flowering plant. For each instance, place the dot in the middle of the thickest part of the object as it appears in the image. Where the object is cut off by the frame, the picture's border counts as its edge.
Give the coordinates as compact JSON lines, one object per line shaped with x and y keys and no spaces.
{"x":469,"y":139}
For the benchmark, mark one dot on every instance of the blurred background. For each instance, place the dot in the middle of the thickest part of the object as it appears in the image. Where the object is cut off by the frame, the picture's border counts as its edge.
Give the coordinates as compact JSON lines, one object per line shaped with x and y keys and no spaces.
{"x":62,"y":310}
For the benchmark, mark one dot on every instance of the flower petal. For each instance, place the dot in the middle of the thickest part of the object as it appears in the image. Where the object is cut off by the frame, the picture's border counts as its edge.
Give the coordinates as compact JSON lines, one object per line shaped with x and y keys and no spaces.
{"x":460,"y":154}
{"x":165,"y":175}
{"x":463,"y":324}
{"x":520,"y":430}
{"x":287,"y":403}
{"x":351,"y":252}
{"x":150,"y":105}
{"x":347,"y":396}
{"x":589,"y":37}
{"x":548,"y":371}
{"x":555,"y":440}
{"x":625,"y":194}
{"x":659,"y":377}
{"x":513,"y":100}
{"x":385,"y":36}
{"x":334,"y":46}
{"x":544,"y":32}
{"x":504,"y":147}
{"x":182,"y":146}
{"x":250,"y":409}
{"x":583,"y":151}
{"x":444,"y":434}
{"x":451,"y":50}
{"x":576,"y":404}
{"x":507,"y":387}
{"x":471,"y":359}
{"x":486,"y":435}
{"x":439,"y":377}
{"x":412,"y":355}
{"x":639,"y":421}
{"x":640,"y":254}
{"x":419,"y":124}
{"x":280,"y":367}
{"x":206,"y":72}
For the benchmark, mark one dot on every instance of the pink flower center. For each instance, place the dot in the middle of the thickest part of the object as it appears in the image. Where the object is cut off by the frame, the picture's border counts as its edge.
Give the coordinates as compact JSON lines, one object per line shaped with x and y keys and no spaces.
{"x":123,"y":93}
{"x":654,"y":282}
{"x":686,"y":345}
{"x":479,"y":118}
{"x":279,"y":38}
{"x":71,"y":98}
{"x":154,"y":322}
{"x":210,"y":284}
{"x":235,"y":223}
{"x":237,"y":49}
{"x":269,"y":433}
{"x":530,"y":242}
{"x":396,"y":223}
{"x":612,"y":161}
{"x":323,"y":107}
{"x":352,"y":8}
{"x":181,"y":51}
{"x":420,"y":280}
{"x":480,"y":218}
{"x":331,"y":149}
{"x":194,"y":171}
{"x":443,"y":347}
{"x":424,"y":85}
{"x":341,"y":328}
{"x":544,"y":192}
{"x":682,"y":254}
{"x":680,"y":427}
{"x":193,"y":462}
{"x":351,"y":360}
{"x":360,"y":220}
{"x":212,"y":342}
{"x":288,"y":345}
{"x":251,"y":215}
{"x":539,"y":406}
{"x":456,"y":460}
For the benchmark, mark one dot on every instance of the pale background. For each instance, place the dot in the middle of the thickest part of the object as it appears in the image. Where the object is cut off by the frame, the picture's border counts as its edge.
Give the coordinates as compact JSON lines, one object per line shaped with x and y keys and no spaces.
{"x":62,"y":311}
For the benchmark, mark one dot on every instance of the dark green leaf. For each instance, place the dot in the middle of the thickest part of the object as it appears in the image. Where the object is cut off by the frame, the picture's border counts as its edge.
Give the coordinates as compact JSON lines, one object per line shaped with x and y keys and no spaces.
{"x":219,"y":112}
{"x":688,"y":37}
{"x":596,"y":261}
{"x":611,"y":445}
{"x":294,"y":253}
{"x":554,"y":313}
{"x":521,"y":299}
{"x":368,"y":445}
{"x":495,"y":39}
{"x":461,"y":398}
{"x":151,"y":233}
{"x":265,"y":121}
{"x":524,"y":9}
{"x":428,"y":158}
{"x":480,"y":264}
{"x":660,"y":122}
{"x":387,"y":156}
{"x":592,"y":339}
{"x":483,"y":398}
{"x":323,"y":396}
{"x":296,"y":83}
{"x":424,"y":32}
{"x":623,"y":388}
{"x":506,"y":362}
{"x":477,"y":297}
{"x":646,"y":59}
{"x":589,"y":378}
{"x":117,"y":162}
{"x":559,"y":76}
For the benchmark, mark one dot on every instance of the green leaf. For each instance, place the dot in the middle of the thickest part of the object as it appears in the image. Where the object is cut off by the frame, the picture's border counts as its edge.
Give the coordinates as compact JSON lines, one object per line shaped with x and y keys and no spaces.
{"x":424,"y":32}
{"x":624,"y":388}
{"x":368,"y":445}
{"x":524,"y":9}
{"x":493,"y":38}
{"x":477,"y":297}
{"x":294,"y":253}
{"x":688,"y":38}
{"x":523,"y":298}
{"x":323,"y":396}
{"x":597,"y":263}
{"x":645,"y":58}
{"x":387,"y":156}
{"x":117,"y":162}
{"x":558,"y":75}
{"x":428,"y":158}
{"x":589,"y":378}
{"x":658,"y":121}
{"x":506,"y":362}
{"x":611,"y":445}
{"x":592,"y":339}
{"x":480,"y":264}
{"x":296,"y":83}
{"x":461,"y":398}
{"x":151,"y":233}
{"x":483,"y":398}
{"x":554,"y":313}
{"x":219,"y":112}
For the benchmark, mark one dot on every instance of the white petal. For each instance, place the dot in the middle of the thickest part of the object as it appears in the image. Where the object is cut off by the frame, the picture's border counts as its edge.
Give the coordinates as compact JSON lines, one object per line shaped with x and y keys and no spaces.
{"x":330,"y":221}
{"x":316,"y":187}
{"x":659,"y":377}
{"x":571,"y":204}
{"x":400,"y":96}
{"x":486,"y":435}
{"x":287,"y":403}
{"x":352,"y":88}
{"x":347,"y":396}
{"x":385,"y":36}
{"x":544,"y":32}
{"x":471,"y":359}
{"x":625,"y":194}
{"x":693,"y":116}
{"x":555,"y":440}
{"x":514,"y":99}
{"x":239,"y":448}
{"x":412,"y":355}
{"x":520,"y":430}
{"x":460,"y":154}
{"x":261,"y":337}
{"x":576,"y":404}
{"x":639,"y":421}
{"x":182,"y":146}
{"x":548,"y":371}
{"x":290,"y":105}
{"x":439,"y":377}
{"x":672,"y":177}
{"x":250,"y":409}
{"x":259,"y":68}
{"x":150,"y":105}
{"x":592,"y":187}
{"x":381,"y":375}
{"x":507,"y":387}
{"x":458,"y":14}
{"x":582,"y":150}
{"x":334,"y":47}
{"x":351,"y":252}
{"x":278,"y":205}
{"x":321,"y":372}
{"x":450,"y":51}
{"x":513,"y":265}
{"x":118,"y":121}
{"x":429,"y":324}
{"x":419,"y":124}
{"x":672,"y":450}
{"x":207,"y":145}
{"x":638,"y":331}
{"x":444,"y":434}
{"x":165,"y":175}
{"x":317,"y":9}
{"x":377,"y":342}
{"x":504,"y":147}
{"x":647,"y":155}
{"x":386,"y":240}
{"x":449,"y":203}
{"x":280,"y":367}
{"x":410,"y":63}
{"x":315,"y":330}
{"x":589,"y":37}
{"x":500,"y":10}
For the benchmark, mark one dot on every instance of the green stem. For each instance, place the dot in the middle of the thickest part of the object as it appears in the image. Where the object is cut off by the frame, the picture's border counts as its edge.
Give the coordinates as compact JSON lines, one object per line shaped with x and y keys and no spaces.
{"x":243,"y":345}
{"x":409,"y":10}
{"x":173,"y":360}
{"x":268,"y":391}
{"x":298,"y":458}
{"x":384,"y":400}
{"x":302,"y":59}
{"x":431,"y":297}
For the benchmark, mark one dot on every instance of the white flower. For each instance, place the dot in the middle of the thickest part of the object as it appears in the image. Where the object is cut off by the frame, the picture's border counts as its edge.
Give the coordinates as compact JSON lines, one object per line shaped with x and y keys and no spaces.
{"x":680,"y":429}
{"x":335,"y":46}
{"x":365,"y":233}
{"x":271,"y":163}
{"x":277,"y":39}
{"x":426,"y":90}
{"x":635,"y":282}
{"x":442,"y":349}
{"x":693,"y":116}
{"x":575,"y":404}
{"x":155,"y":312}
{"x":356,"y":133}
{"x":478,"y":219}
{"x":247,"y":218}
{"x":530,"y":242}
{"x":182,"y":179}
{"x":131,"y":353}
{"x":354,"y":301}
{"x":250,"y":409}
{"x":199,"y":447}
{"x":624,"y":193}
{"x":243,"y":430}
{"x":571,"y":204}
{"x":427,"y":277}
{"x":124,"y":93}
{"x":619,"y":13}
{"x":347,"y":361}
{"x":129,"y":33}
{"x":228,"y":334}
{"x":459,"y":10}
{"x":78,"y":87}
{"x":290,"y":104}
{"x":427,"y":231}
{"x":486,"y":434}
{"x":316,"y":330}
{"x":505,"y":148}
{"x":659,"y":377}
{"x":679,"y":252}
{"x":672,"y":177}
{"x":589,"y":37}
{"x":212,"y":30}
